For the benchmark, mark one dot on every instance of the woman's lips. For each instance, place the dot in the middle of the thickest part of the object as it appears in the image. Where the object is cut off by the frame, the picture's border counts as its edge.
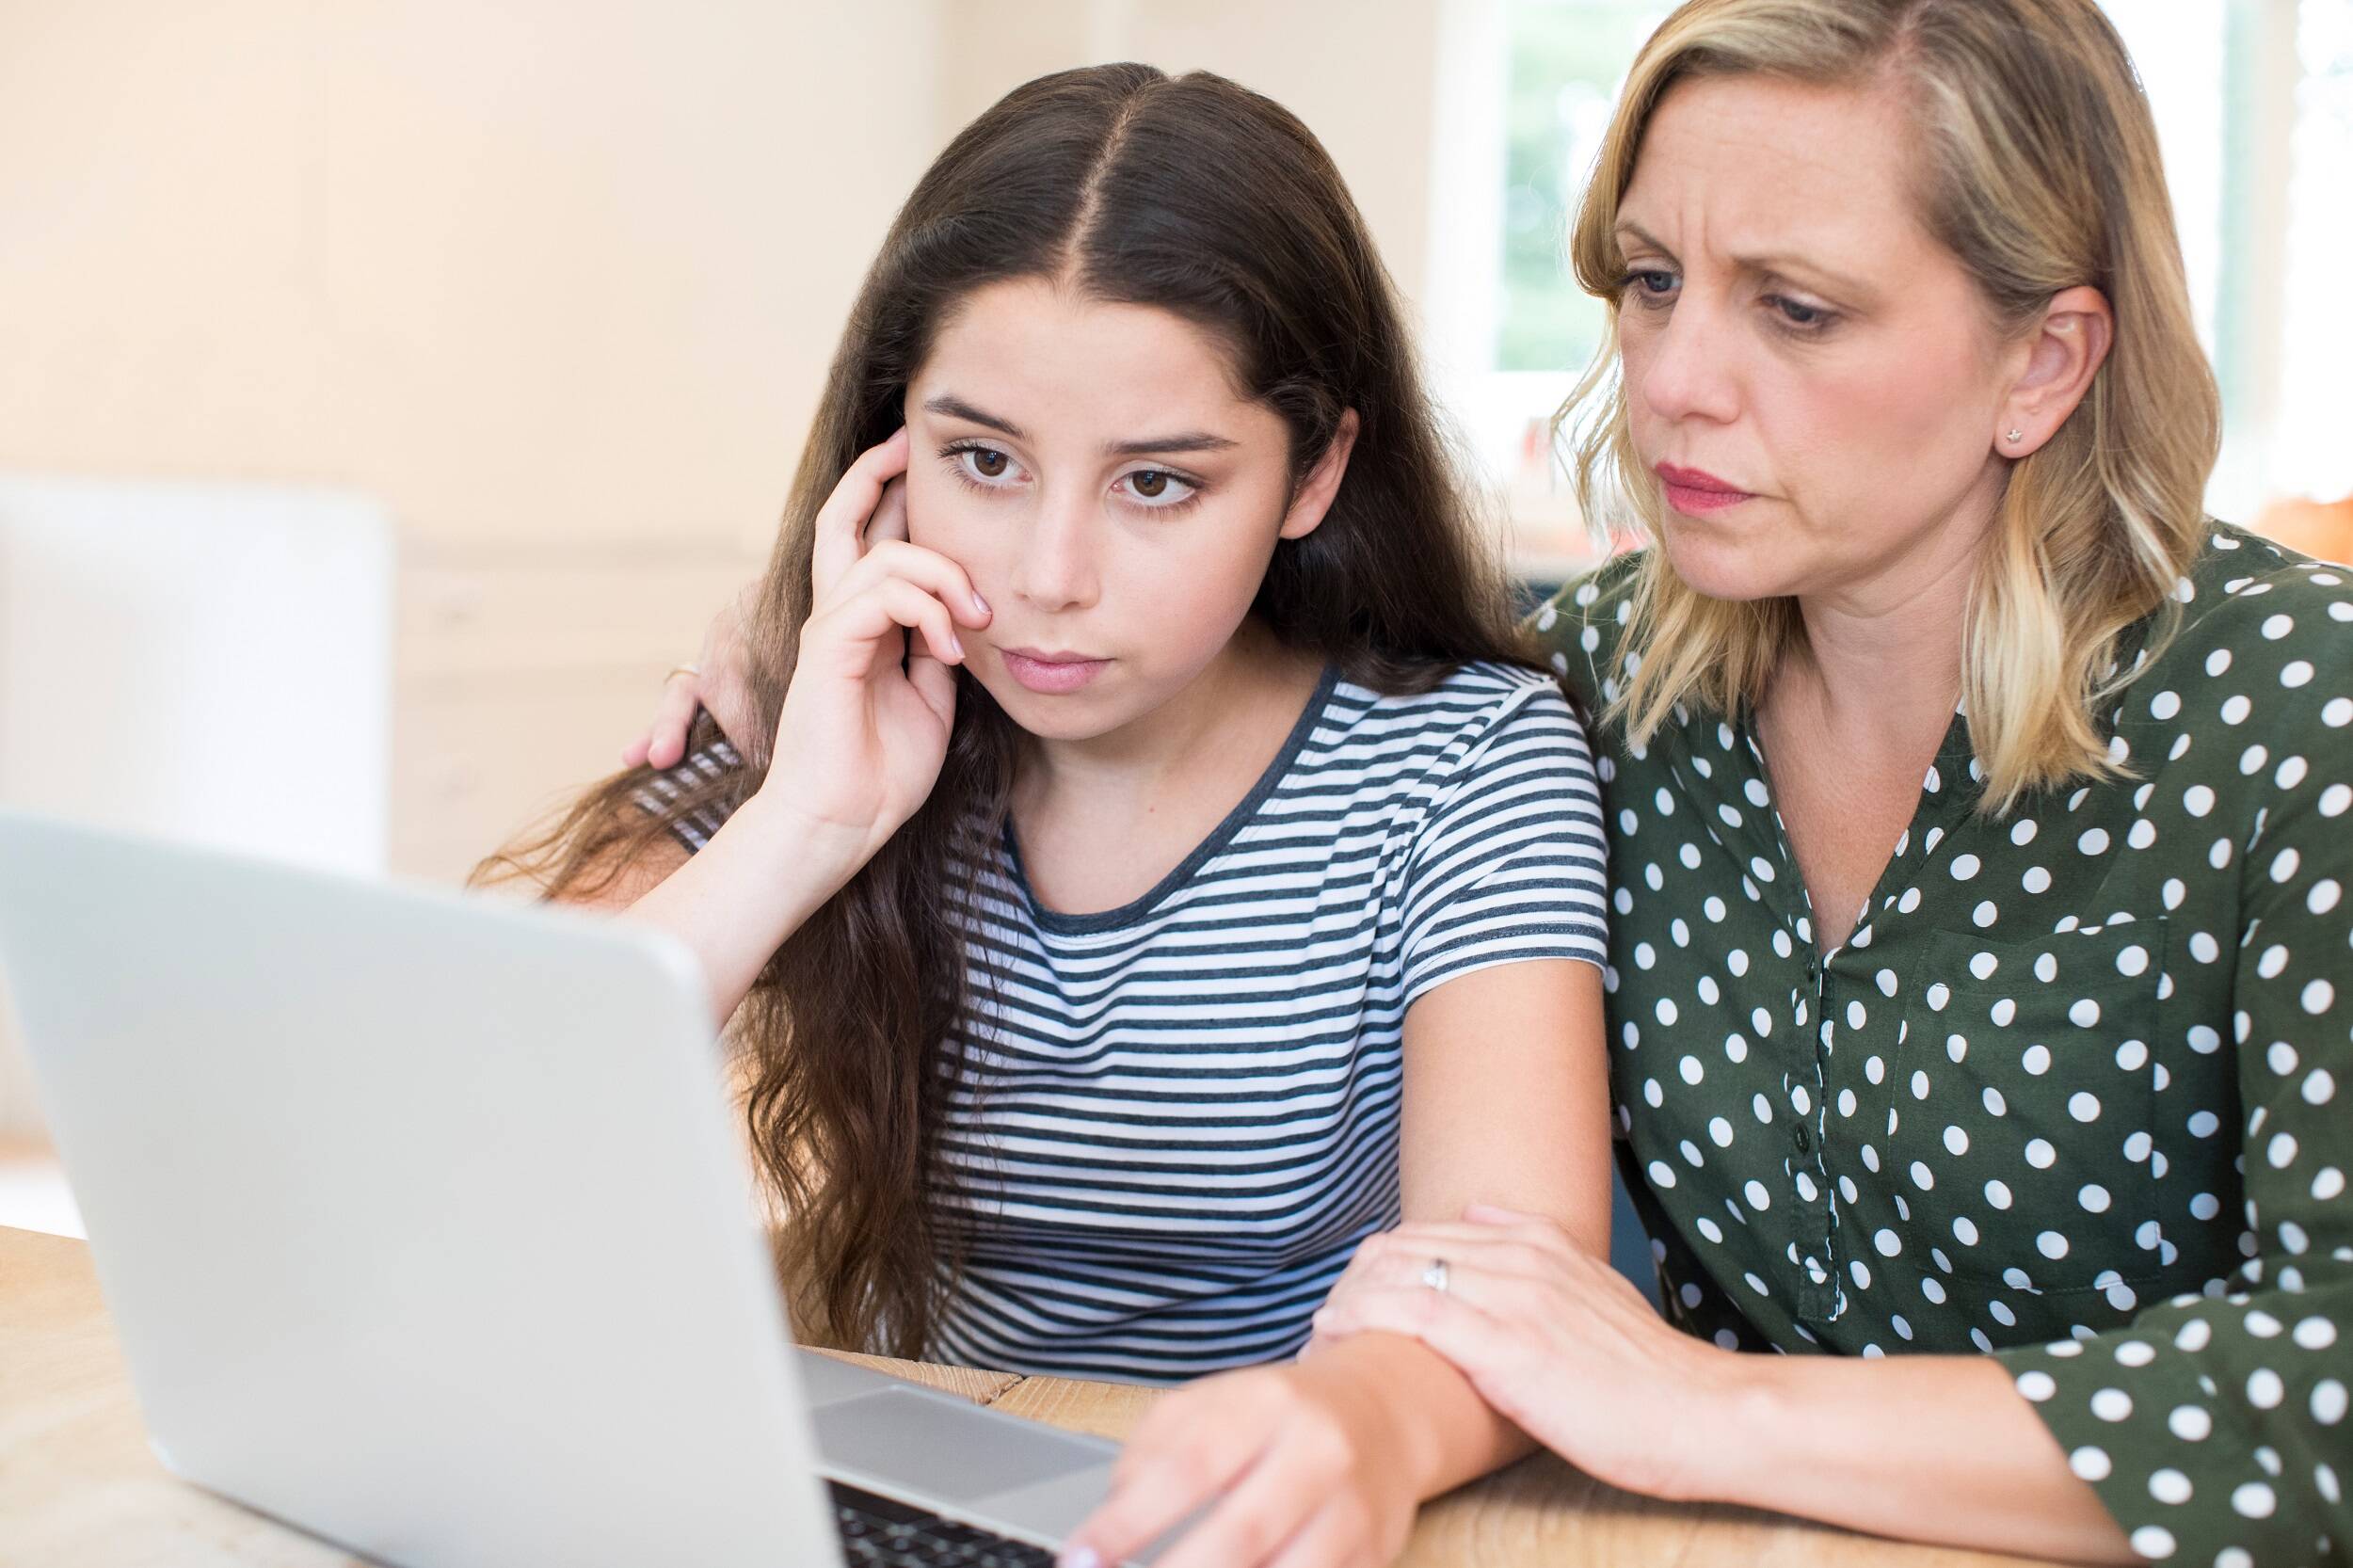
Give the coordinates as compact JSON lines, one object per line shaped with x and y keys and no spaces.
{"x":1053,"y":673}
{"x":1695,"y":491}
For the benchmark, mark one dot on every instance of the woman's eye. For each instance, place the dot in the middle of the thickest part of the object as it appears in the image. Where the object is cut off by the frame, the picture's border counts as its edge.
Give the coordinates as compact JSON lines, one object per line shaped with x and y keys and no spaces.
{"x":1650,"y":286}
{"x":1159,"y":487}
{"x":1799,"y":314}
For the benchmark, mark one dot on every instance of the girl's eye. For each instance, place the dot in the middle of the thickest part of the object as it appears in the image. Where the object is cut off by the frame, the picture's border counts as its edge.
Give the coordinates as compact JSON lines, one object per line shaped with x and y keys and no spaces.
{"x":982,"y":466}
{"x":1158,"y":488}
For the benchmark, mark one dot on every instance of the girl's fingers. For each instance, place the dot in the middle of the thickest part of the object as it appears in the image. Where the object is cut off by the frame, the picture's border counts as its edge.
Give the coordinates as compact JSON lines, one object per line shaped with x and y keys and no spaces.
{"x":889,"y":607}
{"x":634,"y":754}
{"x":889,"y":520}
{"x":1325,"y":1540}
{"x":934,"y":681}
{"x":1159,"y":1486}
{"x":927,"y":568}
{"x":1267,"y":1507}
{"x":842,"y":522}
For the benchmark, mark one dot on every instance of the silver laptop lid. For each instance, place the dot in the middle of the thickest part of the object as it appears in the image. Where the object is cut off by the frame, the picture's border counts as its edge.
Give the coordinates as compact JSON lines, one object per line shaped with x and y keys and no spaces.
{"x":418,"y":1216}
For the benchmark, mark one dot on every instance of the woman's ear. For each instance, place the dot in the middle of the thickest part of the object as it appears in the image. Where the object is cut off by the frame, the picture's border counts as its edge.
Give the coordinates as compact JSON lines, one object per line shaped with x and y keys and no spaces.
{"x":1314,"y":496}
{"x":2065,"y":350}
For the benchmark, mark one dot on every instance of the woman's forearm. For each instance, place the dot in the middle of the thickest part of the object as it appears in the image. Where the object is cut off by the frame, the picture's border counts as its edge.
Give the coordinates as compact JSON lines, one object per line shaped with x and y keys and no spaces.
{"x":1923,"y":1448}
{"x":736,"y":900}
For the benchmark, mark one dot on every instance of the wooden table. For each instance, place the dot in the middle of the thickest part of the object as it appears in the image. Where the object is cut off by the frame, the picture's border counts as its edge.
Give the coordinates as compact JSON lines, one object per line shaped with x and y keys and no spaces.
{"x":78,"y":1488}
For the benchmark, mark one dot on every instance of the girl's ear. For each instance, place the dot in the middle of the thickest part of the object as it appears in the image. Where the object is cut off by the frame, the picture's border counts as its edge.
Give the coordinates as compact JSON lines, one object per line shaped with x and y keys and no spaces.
{"x":1314,"y":497}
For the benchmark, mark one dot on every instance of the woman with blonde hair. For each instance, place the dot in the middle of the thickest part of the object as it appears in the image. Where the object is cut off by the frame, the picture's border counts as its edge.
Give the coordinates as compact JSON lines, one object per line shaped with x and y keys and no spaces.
{"x":1978,"y":991}
{"x":1980,"y":986}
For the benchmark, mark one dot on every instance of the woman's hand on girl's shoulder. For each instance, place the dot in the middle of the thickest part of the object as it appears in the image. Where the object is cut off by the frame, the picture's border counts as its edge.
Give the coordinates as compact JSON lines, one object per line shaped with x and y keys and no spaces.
{"x":1286,"y":1465}
{"x":865,"y":723}
{"x":718,"y":681}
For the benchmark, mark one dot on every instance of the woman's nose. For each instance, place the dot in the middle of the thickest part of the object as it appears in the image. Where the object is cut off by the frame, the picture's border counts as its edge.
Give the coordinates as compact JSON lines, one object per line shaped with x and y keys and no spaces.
{"x":1056,"y":568}
{"x":1688,"y":368}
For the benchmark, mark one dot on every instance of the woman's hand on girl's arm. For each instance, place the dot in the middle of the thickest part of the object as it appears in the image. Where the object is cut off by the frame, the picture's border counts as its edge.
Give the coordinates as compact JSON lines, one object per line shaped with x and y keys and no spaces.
{"x":1569,"y":1349}
{"x":860,"y":742}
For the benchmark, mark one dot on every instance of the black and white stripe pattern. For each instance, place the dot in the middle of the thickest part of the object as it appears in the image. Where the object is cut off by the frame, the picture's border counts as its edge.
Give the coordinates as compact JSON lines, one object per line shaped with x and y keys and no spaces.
{"x":1187,"y":1114}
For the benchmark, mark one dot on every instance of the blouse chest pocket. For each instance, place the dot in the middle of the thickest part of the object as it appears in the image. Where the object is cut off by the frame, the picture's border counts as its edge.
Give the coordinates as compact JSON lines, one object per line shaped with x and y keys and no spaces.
{"x":2029,"y":1161}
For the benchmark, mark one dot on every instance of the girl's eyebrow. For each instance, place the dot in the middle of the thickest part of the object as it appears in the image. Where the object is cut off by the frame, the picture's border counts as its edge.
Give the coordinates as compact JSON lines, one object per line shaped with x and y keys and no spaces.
{"x":1190,"y":441}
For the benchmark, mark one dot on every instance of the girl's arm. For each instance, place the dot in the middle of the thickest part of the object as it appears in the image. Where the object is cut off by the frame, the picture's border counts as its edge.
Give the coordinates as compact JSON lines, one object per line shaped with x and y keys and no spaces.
{"x":1506,"y":1094}
{"x":860,"y":742}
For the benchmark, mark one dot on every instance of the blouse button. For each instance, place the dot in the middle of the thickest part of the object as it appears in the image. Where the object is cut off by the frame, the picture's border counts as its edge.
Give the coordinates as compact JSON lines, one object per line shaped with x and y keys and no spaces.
{"x":1803,"y":1139}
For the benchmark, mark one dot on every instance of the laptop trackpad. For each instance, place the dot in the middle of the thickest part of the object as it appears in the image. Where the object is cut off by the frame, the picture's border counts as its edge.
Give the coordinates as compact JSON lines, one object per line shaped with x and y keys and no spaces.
{"x":939,"y":1444}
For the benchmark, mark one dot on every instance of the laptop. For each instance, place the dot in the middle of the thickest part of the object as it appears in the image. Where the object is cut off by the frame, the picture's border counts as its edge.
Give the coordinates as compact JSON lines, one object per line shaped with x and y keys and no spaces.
{"x":424,"y":1230}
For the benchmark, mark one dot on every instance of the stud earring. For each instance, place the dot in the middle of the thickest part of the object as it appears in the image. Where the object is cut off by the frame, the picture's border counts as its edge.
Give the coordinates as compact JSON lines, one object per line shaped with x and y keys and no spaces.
{"x":2013,"y":437}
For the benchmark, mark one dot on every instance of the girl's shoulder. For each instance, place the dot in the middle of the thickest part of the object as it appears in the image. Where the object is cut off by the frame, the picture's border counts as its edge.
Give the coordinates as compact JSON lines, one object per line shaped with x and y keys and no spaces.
{"x":1465,"y":703}
{"x":1583,"y":628}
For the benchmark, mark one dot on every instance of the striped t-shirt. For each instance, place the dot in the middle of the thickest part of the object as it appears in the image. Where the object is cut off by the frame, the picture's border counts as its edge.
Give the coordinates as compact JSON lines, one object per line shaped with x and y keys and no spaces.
{"x":1186,"y":1116}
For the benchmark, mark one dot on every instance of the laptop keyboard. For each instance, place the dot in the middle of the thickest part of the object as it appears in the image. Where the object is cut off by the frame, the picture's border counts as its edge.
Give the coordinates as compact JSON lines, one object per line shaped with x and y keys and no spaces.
{"x":891,"y":1534}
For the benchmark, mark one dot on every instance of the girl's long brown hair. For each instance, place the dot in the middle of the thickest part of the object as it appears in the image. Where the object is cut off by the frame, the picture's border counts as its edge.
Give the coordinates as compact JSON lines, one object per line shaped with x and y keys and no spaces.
{"x":1191,"y":194}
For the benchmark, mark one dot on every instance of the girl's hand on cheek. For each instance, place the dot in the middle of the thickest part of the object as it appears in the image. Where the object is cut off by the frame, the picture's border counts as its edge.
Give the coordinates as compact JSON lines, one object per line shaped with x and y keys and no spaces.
{"x":1297,"y":1469}
{"x":865,"y":723}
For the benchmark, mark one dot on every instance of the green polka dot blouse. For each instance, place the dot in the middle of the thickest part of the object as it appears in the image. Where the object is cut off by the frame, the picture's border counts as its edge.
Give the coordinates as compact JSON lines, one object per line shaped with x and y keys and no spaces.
{"x":2069,"y":1096}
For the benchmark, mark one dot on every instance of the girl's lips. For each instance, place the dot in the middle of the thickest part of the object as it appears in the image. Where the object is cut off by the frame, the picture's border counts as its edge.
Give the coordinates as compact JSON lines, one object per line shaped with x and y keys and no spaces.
{"x":1053,"y":673}
{"x":1694,"y":491}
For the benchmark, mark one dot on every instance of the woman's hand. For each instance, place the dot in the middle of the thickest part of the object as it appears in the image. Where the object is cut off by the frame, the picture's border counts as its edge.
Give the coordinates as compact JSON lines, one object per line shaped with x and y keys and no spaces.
{"x":719,"y":680}
{"x":865,"y":723}
{"x":1552,"y":1337}
{"x":1316,"y":1470}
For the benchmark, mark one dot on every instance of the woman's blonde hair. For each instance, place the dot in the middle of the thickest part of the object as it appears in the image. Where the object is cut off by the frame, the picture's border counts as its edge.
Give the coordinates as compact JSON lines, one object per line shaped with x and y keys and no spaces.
{"x":2037,"y":168}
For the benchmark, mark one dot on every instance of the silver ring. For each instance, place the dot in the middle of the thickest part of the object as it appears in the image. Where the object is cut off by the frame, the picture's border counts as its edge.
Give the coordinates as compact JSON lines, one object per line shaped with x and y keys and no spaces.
{"x":694,"y":670}
{"x":1434,"y":1275}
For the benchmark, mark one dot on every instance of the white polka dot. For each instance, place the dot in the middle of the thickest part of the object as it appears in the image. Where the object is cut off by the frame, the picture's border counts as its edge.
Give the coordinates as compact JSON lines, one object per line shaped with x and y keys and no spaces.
{"x":2153,"y":1542}
{"x":1998,"y":1194}
{"x":2197,"y":800}
{"x":2094,"y":841}
{"x":2254,"y":1500}
{"x":2263,"y":1389}
{"x":2190,"y":1423}
{"x":2037,"y":1059}
{"x":2317,"y":997}
{"x":1964,"y":1228}
{"x":2041,"y":1155}
{"x":1758,"y":1198}
{"x":2036,"y":1385}
{"x":2051,"y":1244}
{"x":2329,"y":1401}
{"x":2170,"y":1487}
{"x":2315,"y":1334}
{"x":2083,"y":1106}
{"x":2083,"y":1013}
{"x":2088,"y":1463}
{"x":1661,"y":1174}
{"x":2296,"y":672}
{"x":2281,"y":1152}
{"x":2111,"y":1404}
{"x":2094,"y":1199}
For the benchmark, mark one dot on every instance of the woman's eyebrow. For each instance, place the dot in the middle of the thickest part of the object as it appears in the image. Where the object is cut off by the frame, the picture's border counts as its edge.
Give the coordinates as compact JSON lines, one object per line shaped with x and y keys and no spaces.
{"x":1188,"y":440}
